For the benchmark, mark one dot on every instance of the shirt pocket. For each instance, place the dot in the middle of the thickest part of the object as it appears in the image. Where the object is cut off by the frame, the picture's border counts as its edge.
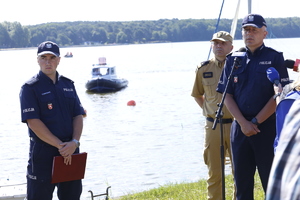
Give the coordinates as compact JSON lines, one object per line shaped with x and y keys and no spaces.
{"x":261,"y":74}
{"x":70,"y":100}
{"x":210,"y":86}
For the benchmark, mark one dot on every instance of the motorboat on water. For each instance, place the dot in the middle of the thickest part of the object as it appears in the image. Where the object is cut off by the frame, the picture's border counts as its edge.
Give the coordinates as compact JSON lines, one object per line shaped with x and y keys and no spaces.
{"x":104,"y":78}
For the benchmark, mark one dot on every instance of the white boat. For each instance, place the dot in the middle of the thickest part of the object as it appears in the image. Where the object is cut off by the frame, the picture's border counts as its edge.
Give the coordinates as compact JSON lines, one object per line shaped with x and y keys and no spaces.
{"x":104,"y":78}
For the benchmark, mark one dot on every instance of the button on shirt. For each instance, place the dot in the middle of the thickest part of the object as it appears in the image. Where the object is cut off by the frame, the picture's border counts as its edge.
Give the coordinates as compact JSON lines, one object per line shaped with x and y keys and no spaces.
{"x":249,"y":84}
{"x":54,"y":104}
{"x":206,"y":81}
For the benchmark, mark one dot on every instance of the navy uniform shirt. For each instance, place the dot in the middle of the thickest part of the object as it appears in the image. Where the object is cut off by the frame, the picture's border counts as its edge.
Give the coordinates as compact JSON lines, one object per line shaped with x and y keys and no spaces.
{"x":249,"y":85}
{"x":54,"y":104}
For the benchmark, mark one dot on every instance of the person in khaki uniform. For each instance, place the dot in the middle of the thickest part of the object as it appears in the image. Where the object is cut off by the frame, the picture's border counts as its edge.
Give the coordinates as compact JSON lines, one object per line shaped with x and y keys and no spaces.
{"x":205,"y":94}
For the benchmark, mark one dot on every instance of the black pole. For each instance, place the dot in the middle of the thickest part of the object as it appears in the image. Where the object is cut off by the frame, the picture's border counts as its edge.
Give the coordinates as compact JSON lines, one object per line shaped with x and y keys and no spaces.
{"x":219,"y":116}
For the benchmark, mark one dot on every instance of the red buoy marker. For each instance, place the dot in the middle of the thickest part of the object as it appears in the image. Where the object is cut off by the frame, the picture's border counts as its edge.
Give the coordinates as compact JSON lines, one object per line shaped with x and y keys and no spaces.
{"x":131,"y":103}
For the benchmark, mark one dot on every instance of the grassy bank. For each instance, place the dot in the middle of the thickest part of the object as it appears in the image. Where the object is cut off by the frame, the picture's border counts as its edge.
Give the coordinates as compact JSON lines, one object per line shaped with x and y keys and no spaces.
{"x":189,"y":191}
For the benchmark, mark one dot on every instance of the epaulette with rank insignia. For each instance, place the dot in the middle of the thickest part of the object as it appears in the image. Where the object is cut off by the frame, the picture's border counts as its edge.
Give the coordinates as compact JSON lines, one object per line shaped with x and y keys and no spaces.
{"x":203,"y":64}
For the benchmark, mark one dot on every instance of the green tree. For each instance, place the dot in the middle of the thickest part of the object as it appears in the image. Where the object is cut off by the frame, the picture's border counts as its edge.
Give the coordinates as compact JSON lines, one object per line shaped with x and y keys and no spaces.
{"x":4,"y":37}
{"x":121,"y":37}
{"x":128,"y":32}
{"x":37,"y":37}
{"x":112,"y":38}
{"x":62,"y":39}
{"x":164,"y":36}
{"x":19,"y":35}
{"x":139,"y":35}
{"x":155,"y":36}
{"x":100,"y":35}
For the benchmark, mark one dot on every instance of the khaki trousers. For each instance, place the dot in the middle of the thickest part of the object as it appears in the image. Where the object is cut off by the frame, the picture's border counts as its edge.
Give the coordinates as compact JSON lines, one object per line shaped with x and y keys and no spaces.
{"x":212,"y":158}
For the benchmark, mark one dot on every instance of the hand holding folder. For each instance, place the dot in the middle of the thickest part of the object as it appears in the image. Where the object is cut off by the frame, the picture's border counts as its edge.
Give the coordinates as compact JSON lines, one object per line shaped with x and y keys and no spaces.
{"x":62,"y":172}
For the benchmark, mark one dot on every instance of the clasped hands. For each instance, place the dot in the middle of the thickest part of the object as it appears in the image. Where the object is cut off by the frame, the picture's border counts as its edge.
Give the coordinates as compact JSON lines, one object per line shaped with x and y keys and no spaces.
{"x":249,"y":129}
{"x":66,"y":150}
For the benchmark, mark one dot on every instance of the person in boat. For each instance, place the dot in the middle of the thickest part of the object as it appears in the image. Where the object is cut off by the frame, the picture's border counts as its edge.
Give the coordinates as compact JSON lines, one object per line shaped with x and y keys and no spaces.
{"x":250,"y":99}
{"x":54,"y":115}
{"x":204,"y":93}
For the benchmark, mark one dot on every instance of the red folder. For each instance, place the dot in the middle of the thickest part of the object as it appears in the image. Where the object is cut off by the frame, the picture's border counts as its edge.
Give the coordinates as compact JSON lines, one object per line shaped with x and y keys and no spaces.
{"x":62,"y":172}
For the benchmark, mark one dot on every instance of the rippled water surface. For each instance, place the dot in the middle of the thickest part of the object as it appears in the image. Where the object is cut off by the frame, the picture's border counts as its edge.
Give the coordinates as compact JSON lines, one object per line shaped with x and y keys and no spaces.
{"x":130,"y":148}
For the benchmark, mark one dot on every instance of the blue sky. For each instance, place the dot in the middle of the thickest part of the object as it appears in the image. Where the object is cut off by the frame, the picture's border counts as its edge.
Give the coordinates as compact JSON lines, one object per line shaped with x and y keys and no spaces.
{"x":32,"y":12}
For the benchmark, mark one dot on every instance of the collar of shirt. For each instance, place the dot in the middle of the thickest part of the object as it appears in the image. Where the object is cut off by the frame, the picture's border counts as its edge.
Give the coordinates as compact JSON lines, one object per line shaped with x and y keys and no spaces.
{"x":46,"y":78}
{"x":220,"y":64}
{"x":257,"y":51}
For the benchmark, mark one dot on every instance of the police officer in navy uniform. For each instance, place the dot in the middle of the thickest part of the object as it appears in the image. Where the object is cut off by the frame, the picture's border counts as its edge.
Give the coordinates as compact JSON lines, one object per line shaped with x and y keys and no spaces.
{"x":250,"y":99}
{"x":206,"y":96}
{"x":54,"y":115}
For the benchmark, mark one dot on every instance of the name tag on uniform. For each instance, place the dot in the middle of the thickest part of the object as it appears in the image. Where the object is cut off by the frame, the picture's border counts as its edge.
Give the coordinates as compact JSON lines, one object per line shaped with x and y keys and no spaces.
{"x":207,"y":75}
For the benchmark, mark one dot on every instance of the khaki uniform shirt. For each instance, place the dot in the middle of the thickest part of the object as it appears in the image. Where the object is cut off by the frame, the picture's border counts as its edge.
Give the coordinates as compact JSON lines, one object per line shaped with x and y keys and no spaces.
{"x":206,"y":81}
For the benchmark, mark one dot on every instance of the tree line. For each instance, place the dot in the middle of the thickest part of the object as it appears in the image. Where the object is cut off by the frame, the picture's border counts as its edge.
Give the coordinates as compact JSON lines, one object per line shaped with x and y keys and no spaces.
{"x":14,"y":35}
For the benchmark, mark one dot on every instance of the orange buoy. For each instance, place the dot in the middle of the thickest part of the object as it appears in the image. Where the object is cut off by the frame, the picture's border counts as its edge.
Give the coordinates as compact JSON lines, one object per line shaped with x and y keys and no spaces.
{"x":131,"y":103}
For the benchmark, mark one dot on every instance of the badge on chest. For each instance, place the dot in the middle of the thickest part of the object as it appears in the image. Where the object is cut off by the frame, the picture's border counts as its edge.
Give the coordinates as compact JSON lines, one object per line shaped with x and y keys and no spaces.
{"x":235,"y":79}
{"x":207,"y":75}
{"x":50,"y":106}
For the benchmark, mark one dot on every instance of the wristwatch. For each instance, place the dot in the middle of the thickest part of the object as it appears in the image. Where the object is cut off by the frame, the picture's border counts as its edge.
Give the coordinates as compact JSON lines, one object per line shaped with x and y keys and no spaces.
{"x":76,"y":142}
{"x":254,"y":121}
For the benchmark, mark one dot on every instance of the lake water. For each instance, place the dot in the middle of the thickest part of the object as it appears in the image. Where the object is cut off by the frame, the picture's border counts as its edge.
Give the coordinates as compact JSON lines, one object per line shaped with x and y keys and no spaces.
{"x":130,"y":148}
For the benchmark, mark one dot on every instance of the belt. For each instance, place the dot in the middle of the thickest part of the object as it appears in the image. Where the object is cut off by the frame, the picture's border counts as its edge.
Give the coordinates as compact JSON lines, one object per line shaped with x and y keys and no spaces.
{"x":224,"y":121}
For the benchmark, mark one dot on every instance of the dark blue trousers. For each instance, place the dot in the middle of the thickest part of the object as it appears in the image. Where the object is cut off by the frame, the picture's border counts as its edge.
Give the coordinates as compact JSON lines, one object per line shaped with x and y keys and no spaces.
{"x":39,"y":171}
{"x":251,"y":153}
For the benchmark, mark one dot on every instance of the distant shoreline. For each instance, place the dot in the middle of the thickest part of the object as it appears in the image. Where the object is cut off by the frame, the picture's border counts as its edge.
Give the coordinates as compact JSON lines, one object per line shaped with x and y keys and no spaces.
{"x":61,"y":47}
{"x":83,"y":45}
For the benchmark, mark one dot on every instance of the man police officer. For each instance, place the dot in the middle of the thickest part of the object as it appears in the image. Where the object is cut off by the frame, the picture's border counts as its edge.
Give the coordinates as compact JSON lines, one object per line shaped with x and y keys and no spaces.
{"x":250,"y":100}
{"x":53,"y":113}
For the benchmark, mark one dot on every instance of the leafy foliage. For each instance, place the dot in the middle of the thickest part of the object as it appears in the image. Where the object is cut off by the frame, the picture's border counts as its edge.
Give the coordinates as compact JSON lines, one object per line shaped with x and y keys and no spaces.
{"x":13,"y":34}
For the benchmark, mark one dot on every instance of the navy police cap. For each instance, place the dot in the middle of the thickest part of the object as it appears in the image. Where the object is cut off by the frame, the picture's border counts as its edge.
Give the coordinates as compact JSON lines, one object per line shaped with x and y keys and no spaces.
{"x":48,"y":47}
{"x":254,"y":20}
